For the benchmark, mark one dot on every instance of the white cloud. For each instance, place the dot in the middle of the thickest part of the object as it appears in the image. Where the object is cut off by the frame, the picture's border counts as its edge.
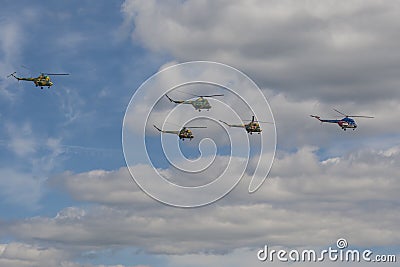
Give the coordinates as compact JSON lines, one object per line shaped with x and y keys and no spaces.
{"x":13,"y":38}
{"x":25,"y":255}
{"x":21,"y":255}
{"x":71,"y":104}
{"x":20,"y":188}
{"x":336,"y":52}
{"x":22,"y":142}
{"x":304,"y":202}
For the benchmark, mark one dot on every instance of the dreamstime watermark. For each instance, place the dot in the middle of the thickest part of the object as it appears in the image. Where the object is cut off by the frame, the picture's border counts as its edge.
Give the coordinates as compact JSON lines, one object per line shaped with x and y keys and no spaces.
{"x":340,"y":253}
{"x":161,"y":101}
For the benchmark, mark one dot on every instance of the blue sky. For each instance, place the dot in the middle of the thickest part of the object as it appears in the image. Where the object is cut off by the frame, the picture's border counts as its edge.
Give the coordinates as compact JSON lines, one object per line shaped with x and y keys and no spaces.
{"x":64,"y":188}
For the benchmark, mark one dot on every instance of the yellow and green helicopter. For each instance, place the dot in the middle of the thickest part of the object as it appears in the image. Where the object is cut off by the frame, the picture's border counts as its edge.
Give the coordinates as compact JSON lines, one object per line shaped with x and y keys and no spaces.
{"x":42,"y":80}
{"x":183,"y":133}
{"x":200,"y":103}
{"x":252,"y":127}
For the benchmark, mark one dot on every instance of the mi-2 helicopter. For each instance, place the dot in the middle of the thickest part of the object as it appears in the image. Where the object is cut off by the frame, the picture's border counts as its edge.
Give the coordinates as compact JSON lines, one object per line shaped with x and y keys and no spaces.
{"x":346,"y":122}
{"x":200,"y":103}
{"x":42,"y":80}
{"x":184,"y":133}
{"x":252,"y":127}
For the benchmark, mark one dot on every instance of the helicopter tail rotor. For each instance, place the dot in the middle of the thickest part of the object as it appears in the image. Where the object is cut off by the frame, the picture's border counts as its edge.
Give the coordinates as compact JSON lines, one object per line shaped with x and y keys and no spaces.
{"x":13,"y":75}
{"x":317,"y":117}
{"x":157,"y":128}
{"x":175,"y":101}
{"x":170,"y":99}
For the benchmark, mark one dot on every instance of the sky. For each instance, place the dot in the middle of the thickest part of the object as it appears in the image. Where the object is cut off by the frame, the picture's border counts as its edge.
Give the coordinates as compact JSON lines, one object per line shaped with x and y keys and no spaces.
{"x":67,"y":197}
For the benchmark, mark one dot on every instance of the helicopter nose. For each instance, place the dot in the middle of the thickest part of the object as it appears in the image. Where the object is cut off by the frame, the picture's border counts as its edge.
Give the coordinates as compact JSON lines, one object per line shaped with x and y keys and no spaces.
{"x":51,"y":83}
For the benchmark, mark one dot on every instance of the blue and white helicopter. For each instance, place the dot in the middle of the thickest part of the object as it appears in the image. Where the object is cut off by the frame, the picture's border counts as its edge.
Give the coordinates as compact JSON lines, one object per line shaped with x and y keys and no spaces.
{"x":346,"y":122}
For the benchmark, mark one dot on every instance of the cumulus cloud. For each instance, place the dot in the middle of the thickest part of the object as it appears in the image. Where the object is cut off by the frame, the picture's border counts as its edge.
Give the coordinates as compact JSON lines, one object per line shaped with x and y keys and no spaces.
{"x":308,"y":56}
{"x":24,"y":255}
{"x":21,"y":255}
{"x":304,"y":202}
{"x":20,"y":188}
{"x":337,"y":52}
{"x":10,"y":46}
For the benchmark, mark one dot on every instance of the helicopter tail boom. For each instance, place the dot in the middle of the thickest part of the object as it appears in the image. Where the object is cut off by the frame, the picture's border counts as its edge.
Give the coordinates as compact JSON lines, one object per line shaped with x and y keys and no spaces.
{"x":175,"y":101}
{"x":163,"y":131}
{"x":321,"y":120}
{"x":317,"y":117}
{"x":232,"y":125}
{"x":20,"y":78}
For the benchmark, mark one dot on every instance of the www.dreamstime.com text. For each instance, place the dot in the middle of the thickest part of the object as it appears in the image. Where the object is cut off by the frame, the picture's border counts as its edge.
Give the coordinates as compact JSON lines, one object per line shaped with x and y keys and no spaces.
{"x":338,"y":254}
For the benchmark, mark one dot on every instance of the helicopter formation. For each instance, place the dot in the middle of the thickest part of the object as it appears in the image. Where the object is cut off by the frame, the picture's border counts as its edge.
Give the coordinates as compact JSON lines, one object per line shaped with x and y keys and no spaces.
{"x":201,"y":103}
{"x":253,"y":126}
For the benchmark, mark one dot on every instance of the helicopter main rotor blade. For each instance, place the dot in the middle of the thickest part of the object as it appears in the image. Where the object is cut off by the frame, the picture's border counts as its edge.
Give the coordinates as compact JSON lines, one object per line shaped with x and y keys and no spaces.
{"x":192,"y":127}
{"x":56,"y":73}
{"x":260,"y":121}
{"x":210,"y":95}
{"x":340,"y":112}
{"x":186,"y":93}
{"x":360,"y":116}
{"x":200,"y":95}
{"x":353,"y":116}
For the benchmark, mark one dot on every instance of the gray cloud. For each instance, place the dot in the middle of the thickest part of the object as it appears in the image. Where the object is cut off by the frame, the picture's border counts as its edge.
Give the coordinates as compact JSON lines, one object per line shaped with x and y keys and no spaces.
{"x":343,"y":52}
{"x":305,"y":202}
{"x":25,"y":255}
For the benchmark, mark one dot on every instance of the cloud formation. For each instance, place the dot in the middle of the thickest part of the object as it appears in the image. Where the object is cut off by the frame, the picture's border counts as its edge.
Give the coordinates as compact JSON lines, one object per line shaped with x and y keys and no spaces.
{"x":305,"y":202}
{"x":25,"y":255}
{"x":337,"y":52}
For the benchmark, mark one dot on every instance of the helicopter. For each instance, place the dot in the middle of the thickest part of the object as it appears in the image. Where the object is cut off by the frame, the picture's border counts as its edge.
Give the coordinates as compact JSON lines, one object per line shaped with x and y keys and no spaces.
{"x":42,"y":80}
{"x":346,"y":122}
{"x":252,"y":127}
{"x":200,"y":103}
{"x":183,"y":133}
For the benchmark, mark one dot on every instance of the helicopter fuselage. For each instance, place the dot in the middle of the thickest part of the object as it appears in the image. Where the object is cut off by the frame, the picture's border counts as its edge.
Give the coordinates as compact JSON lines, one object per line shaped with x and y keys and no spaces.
{"x":185,"y":133}
{"x":253,"y":127}
{"x":43,"y":82}
{"x":347,"y":123}
{"x":199,"y":104}
{"x":344,"y":123}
